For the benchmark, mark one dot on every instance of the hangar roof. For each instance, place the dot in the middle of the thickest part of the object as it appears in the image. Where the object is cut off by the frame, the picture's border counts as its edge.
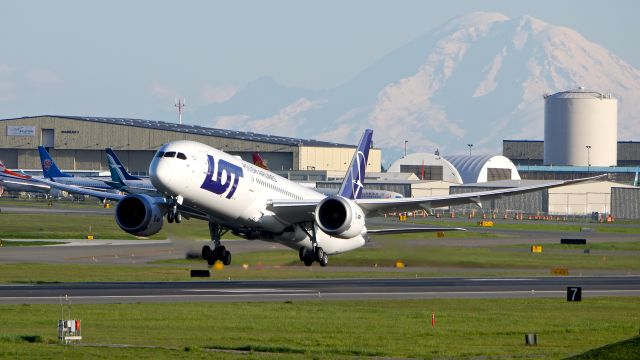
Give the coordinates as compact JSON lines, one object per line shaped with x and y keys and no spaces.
{"x":473,"y":169}
{"x":197,"y":130}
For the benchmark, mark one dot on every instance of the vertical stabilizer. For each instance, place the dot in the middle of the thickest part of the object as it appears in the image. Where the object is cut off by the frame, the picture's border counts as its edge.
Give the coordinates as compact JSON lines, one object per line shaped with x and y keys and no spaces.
{"x":113,"y":160}
{"x":49,"y":168}
{"x":353,"y":183}
{"x":259,"y":161}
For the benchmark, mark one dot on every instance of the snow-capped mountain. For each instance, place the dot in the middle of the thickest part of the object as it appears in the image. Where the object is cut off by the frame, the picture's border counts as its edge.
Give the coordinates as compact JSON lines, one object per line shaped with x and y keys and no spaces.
{"x":477,"y":79}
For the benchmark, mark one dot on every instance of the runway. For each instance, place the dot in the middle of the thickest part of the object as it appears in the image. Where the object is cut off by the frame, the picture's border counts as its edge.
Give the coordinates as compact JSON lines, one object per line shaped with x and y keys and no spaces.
{"x":298,"y":290}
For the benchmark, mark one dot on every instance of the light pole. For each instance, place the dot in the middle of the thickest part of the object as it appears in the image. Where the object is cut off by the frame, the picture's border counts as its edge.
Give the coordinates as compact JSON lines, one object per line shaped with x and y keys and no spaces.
{"x":470,"y":146}
{"x":588,"y":158}
{"x":405,"y":147}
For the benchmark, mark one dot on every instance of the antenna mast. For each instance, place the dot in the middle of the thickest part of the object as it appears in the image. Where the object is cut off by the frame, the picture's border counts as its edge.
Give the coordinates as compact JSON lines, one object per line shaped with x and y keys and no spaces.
{"x":180,"y":104}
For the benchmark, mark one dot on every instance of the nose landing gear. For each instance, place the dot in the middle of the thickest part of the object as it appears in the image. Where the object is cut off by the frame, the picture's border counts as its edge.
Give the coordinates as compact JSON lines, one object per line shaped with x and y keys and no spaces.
{"x":174,"y":214}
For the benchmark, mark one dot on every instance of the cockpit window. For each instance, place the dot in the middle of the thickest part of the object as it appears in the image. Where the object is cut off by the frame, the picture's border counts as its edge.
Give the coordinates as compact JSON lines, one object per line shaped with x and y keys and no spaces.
{"x":170,"y":154}
{"x":182,"y":156}
{"x":160,"y":154}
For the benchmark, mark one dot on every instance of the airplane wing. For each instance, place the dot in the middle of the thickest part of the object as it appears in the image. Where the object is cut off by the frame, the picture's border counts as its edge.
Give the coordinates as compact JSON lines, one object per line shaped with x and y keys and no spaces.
{"x":411,"y":204}
{"x":300,"y":211}
{"x":24,"y":183}
{"x":102,"y":195}
{"x":73,"y":189}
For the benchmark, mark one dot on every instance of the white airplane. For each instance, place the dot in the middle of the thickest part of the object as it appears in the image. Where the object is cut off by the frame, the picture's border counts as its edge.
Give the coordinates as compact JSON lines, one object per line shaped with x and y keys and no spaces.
{"x":198,"y":181}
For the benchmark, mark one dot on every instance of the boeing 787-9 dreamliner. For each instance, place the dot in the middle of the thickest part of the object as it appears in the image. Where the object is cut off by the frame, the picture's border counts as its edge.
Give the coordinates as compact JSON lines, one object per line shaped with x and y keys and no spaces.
{"x":198,"y":181}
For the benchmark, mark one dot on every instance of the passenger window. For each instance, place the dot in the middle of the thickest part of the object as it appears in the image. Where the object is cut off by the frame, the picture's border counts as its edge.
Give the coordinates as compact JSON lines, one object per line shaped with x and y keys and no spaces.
{"x":170,"y":154}
{"x":182,"y":156}
{"x":160,"y":154}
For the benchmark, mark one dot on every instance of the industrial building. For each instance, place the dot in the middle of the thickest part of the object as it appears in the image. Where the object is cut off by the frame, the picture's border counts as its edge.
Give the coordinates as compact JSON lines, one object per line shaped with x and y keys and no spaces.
{"x":78,"y":143}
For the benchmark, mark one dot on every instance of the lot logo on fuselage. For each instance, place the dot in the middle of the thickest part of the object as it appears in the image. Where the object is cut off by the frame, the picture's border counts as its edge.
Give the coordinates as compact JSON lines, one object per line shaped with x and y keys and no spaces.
{"x":220,"y":180}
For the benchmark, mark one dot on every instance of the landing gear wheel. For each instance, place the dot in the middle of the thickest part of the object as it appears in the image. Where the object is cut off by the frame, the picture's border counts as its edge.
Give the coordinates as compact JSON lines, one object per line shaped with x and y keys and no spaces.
{"x":308,"y":262}
{"x":324,"y":261}
{"x":178,"y":218}
{"x":206,"y":252}
{"x":226,"y":259}
{"x":170,"y":217}
{"x":220,"y":252}
{"x":319,"y":254}
{"x":301,"y":253}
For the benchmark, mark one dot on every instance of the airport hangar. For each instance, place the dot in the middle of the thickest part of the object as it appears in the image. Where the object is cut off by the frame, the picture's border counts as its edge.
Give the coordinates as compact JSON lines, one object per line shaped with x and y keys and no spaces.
{"x":77,"y":143}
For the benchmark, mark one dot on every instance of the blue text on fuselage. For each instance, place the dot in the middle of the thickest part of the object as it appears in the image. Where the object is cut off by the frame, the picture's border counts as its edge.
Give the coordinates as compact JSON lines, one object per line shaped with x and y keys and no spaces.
{"x":219,"y":183}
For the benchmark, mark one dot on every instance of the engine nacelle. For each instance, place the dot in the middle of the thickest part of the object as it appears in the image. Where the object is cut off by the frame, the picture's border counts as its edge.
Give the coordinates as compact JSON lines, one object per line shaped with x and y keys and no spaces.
{"x":340,"y":217}
{"x":139,"y":215}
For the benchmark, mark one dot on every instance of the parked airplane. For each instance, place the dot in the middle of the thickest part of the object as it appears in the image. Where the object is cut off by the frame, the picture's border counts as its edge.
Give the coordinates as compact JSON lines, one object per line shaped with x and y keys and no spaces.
{"x":18,"y":182}
{"x":123,"y":181}
{"x":366,"y":193}
{"x":51,"y":171}
{"x":202,"y":182}
{"x":259,"y":161}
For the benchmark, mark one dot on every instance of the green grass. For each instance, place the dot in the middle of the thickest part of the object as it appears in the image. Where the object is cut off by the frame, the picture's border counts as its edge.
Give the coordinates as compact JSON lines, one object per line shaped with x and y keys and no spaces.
{"x":67,"y":226}
{"x":327,"y":329}
{"x":443,"y":256}
{"x":527,"y":225}
{"x":603,"y":246}
{"x":54,"y":204}
{"x":622,"y":350}
{"x":29,"y":243}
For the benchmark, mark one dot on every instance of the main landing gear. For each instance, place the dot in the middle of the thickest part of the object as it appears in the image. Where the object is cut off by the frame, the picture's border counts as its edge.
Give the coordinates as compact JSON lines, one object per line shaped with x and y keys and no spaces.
{"x":219,"y":252}
{"x":308,"y":256}
{"x":316,"y":253}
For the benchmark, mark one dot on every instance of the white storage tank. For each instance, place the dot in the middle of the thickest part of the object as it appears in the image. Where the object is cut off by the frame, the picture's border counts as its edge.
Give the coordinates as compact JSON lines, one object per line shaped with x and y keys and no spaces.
{"x":580,"y":128}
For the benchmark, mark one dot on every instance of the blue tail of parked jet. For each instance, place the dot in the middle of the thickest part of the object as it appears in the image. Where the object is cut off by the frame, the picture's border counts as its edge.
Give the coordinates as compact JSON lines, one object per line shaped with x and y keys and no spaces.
{"x":49,"y":168}
{"x":353,"y":182}
{"x":113,"y":160}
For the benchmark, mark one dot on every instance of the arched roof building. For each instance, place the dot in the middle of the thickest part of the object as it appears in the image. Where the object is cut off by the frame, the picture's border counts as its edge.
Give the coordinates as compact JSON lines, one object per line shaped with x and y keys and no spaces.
{"x":483,"y":168}
{"x":460,"y":169}
{"x":427,"y":167}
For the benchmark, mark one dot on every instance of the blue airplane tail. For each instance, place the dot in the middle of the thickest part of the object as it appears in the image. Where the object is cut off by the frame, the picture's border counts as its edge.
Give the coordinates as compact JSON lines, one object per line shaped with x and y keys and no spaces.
{"x":49,"y":168}
{"x":113,"y":160}
{"x":353,"y":182}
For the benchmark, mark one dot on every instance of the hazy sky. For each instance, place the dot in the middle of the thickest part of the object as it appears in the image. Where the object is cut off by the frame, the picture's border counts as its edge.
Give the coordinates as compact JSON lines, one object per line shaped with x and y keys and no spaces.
{"x":131,"y":58}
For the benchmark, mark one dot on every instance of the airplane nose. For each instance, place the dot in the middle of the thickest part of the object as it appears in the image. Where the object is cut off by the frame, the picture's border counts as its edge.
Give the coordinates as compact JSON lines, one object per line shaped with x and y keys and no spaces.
{"x":160,"y":174}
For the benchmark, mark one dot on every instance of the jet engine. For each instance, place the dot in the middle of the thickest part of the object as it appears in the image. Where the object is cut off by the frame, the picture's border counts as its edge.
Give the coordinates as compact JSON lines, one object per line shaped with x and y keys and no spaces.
{"x":340,"y":217}
{"x":139,"y":215}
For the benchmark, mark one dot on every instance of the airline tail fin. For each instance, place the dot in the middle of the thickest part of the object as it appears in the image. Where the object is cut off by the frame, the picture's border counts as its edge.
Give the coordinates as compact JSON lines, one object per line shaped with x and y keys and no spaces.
{"x":112,"y":159}
{"x":49,"y":167}
{"x":19,"y":174}
{"x":353,"y":182}
{"x":259,"y":161}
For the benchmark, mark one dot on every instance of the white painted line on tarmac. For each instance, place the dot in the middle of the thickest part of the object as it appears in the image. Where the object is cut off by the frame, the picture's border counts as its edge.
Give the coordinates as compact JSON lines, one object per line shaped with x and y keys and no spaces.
{"x":501,"y":279}
{"x":240,"y":291}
